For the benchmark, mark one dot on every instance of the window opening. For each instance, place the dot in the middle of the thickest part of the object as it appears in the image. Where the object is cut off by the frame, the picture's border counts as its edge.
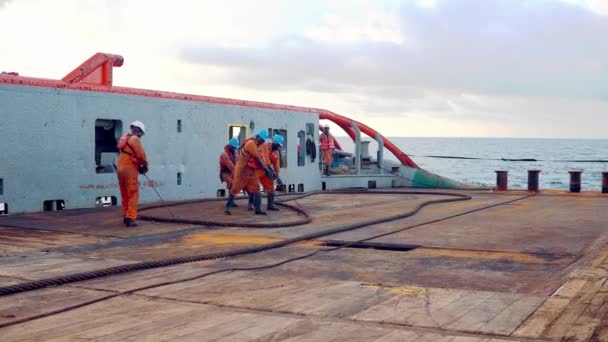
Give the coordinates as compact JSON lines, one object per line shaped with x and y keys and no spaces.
{"x":301,"y":187}
{"x":283,"y":154}
{"x":237,"y":131}
{"x":52,"y":205}
{"x":221,"y":193}
{"x":301,"y":148}
{"x":179,"y":126}
{"x":323,"y":186}
{"x":1,"y":186}
{"x":179,"y":178}
{"x":291,"y":188}
{"x":371,"y":184}
{"x":106,"y":201}
{"x":107,"y":134}
{"x":3,"y":208}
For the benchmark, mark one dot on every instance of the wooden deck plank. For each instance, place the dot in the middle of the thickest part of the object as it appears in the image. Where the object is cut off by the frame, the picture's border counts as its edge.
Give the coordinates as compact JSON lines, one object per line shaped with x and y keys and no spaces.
{"x":401,"y":308}
{"x":74,"y":321}
{"x":30,"y":304}
{"x":510,"y":318}
{"x":483,"y":313}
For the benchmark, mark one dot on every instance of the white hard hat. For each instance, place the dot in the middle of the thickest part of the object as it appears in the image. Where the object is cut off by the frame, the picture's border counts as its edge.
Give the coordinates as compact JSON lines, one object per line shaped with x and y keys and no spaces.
{"x":139,"y":125}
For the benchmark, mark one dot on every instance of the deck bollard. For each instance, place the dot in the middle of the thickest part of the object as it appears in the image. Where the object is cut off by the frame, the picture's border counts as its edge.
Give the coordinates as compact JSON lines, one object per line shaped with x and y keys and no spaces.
{"x":502,"y":178}
{"x":533,"y":180}
{"x":575,"y":180}
{"x":605,"y":182}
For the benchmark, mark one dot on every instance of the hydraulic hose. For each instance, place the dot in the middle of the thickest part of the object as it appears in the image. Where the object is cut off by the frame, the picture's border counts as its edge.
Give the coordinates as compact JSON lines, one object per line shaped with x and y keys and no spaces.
{"x":76,"y":277}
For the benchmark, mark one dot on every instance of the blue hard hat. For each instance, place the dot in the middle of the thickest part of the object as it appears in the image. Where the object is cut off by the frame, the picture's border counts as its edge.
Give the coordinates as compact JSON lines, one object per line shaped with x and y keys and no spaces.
{"x":234,"y":142}
{"x":263,"y":134}
{"x":278,"y":139}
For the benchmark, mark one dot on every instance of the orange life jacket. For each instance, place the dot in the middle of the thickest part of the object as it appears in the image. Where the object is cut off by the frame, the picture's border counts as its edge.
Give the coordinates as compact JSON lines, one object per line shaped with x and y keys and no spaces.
{"x":327,"y":142}
{"x":251,"y":162}
{"x":124,"y":143}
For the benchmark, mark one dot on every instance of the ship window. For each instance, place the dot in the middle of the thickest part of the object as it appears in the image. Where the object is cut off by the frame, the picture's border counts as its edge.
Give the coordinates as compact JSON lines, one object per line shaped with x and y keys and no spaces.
{"x":237,"y":131}
{"x":179,"y":126}
{"x":107,"y":134}
{"x":1,"y":186}
{"x":106,"y":201}
{"x":301,"y":148}
{"x":51,"y":205}
{"x":283,"y":154}
{"x":3,"y":208}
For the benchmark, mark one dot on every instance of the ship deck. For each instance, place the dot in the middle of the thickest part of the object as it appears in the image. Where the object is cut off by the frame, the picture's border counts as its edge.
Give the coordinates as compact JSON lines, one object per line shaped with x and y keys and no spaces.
{"x":496,"y":267}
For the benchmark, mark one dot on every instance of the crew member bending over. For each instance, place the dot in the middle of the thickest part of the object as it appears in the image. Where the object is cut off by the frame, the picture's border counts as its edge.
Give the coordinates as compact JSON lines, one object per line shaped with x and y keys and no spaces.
{"x":228,"y":161}
{"x":131,"y":161}
{"x":245,"y":176}
{"x":328,"y":145}
{"x":269,"y":152}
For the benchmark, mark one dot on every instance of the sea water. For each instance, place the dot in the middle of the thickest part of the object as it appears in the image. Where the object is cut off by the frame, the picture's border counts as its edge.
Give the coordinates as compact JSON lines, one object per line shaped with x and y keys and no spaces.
{"x":555,"y":157}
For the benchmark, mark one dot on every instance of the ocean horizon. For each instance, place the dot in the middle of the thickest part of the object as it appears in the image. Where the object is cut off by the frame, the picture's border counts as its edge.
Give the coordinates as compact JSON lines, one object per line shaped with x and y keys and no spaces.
{"x":553,"y":156}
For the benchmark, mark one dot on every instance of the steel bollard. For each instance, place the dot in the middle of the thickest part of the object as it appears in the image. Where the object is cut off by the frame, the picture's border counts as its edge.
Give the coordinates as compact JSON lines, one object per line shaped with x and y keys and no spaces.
{"x":605,"y":182}
{"x":502,"y":179}
{"x":533,"y":180}
{"x":575,"y":180}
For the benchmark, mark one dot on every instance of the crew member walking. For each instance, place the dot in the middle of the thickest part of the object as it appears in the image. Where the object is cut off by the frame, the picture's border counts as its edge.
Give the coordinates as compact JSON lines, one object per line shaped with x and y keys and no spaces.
{"x":328,"y":145}
{"x":228,"y":162}
{"x":245,"y":176}
{"x":131,"y":161}
{"x":269,"y":152}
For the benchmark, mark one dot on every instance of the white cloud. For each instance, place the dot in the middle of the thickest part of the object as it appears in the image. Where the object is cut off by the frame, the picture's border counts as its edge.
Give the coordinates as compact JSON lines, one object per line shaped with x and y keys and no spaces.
{"x":439,"y":68}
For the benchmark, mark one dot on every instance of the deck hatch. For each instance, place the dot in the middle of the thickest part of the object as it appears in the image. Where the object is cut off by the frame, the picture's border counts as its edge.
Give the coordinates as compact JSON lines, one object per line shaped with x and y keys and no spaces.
{"x":399,"y":247}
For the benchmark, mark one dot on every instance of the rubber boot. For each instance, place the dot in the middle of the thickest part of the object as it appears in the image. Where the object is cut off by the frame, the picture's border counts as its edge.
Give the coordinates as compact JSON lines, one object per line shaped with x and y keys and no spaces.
{"x":250,"y":205}
{"x":130,"y":223}
{"x":257,"y":202}
{"x":271,"y":203}
{"x":229,"y":204}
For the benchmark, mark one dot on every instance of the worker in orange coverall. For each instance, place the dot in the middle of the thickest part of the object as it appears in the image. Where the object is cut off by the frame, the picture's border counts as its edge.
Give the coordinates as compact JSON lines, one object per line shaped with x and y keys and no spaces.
{"x":328,"y":145}
{"x":228,"y":162}
{"x":131,"y":161}
{"x":245,"y":176}
{"x":269,"y":152}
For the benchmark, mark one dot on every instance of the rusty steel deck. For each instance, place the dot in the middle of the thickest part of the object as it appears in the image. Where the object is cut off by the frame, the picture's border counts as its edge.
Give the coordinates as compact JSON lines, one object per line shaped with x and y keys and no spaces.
{"x":500,"y":266}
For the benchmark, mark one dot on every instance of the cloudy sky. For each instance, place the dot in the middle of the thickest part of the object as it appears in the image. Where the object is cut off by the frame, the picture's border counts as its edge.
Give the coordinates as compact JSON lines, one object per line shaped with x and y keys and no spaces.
{"x":481,"y":68}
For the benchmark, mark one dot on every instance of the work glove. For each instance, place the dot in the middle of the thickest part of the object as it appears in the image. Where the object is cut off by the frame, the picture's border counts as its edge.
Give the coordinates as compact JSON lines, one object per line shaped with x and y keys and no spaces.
{"x":143,"y":169}
{"x":270,"y":173}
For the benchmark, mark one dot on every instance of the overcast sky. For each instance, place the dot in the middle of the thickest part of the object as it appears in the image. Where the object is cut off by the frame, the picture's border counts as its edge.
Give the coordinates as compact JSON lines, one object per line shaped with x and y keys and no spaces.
{"x":481,"y":68}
